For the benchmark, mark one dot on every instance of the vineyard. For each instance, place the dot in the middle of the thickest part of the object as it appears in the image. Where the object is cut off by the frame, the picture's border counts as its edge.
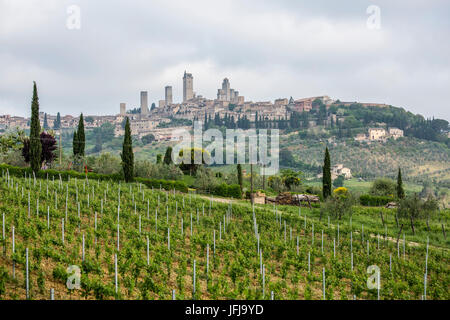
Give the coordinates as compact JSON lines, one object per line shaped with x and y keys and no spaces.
{"x":127,"y":241}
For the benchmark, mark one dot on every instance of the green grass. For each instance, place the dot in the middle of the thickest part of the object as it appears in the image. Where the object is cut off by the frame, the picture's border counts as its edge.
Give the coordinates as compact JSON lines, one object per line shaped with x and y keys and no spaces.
{"x":354,"y":185}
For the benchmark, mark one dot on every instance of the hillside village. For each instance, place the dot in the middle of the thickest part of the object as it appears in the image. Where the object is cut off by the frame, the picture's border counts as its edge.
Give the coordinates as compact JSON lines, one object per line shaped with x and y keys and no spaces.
{"x":157,"y":120}
{"x":353,"y":130}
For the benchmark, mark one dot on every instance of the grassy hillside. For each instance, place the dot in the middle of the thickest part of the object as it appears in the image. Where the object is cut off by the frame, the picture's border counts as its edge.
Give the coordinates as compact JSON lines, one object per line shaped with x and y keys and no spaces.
{"x":354,"y":185}
{"x":419,"y":160}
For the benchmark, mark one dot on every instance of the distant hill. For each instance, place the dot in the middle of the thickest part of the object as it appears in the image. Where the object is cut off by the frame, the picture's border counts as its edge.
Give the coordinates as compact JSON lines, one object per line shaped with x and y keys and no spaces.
{"x":419,"y":159}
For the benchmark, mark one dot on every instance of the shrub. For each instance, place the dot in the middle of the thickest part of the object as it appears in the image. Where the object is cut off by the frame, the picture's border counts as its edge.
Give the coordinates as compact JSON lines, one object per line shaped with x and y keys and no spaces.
{"x":374,"y":201}
{"x":341,"y":192}
{"x":146,"y":169}
{"x":106,"y":163}
{"x":14,"y":158}
{"x":383,"y":187}
{"x":339,"y":204}
{"x":339,"y":181}
{"x":225,"y":190}
{"x":164,"y":184}
{"x":205,"y":179}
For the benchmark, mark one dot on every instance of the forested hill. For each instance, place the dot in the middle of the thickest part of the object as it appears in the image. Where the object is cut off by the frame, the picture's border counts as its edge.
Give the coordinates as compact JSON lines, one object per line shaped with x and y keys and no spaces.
{"x":421,"y":160}
{"x":424,"y":152}
{"x":352,"y":119}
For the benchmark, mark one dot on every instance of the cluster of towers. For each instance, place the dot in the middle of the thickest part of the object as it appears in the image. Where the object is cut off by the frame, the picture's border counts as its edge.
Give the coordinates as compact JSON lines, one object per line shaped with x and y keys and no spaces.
{"x":226,"y":93}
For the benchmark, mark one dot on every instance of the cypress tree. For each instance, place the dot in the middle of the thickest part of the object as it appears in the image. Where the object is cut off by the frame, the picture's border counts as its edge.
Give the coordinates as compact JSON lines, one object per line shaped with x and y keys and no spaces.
{"x":75,"y":143}
{"x":168,"y":156}
{"x":239,"y":175}
{"x":326,"y":179}
{"x":57,"y":124}
{"x":81,"y":137}
{"x":35,"y":130}
{"x":400,"y":190}
{"x":45,"y":122}
{"x":127,"y":154}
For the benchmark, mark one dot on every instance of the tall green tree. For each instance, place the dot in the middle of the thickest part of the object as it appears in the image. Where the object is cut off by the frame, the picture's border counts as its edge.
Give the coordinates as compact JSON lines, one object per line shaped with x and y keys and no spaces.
{"x":239,"y":175}
{"x":35,"y":130}
{"x":127,"y":154}
{"x":57,"y":123}
{"x":98,"y":140}
{"x":400,"y":190}
{"x":75,"y":143}
{"x":168,"y":156}
{"x":326,"y":179}
{"x":81,"y":137}
{"x":46,"y":127}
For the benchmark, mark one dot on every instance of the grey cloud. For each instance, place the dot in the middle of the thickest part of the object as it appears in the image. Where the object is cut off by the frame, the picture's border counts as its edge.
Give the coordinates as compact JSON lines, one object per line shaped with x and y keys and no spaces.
{"x":268,"y":49}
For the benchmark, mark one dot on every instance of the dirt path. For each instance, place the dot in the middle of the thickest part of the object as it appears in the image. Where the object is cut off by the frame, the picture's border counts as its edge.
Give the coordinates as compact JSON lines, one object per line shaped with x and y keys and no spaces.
{"x":221,"y":200}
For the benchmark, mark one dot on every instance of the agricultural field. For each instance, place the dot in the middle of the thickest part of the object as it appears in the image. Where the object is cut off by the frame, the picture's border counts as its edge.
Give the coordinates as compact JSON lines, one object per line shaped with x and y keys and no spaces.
{"x":126,"y":241}
{"x":354,"y":185}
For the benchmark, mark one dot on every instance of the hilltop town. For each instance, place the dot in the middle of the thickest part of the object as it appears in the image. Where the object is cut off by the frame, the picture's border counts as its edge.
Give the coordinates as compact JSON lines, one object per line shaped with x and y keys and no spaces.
{"x":158,"y":119}
{"x":362,"y":135}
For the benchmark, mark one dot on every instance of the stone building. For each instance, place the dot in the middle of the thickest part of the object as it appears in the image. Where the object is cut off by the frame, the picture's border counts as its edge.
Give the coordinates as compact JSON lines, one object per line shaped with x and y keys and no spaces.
{"x":188,"y":87}
{"x":338,"y":170}
{"x":361,"y":137}
{"x":227,"y":94}
{"x":395,"y":133}
{"x":123,"y":109}
{"x":377,"y":134}
{"x":144,"y":102}
{"x":281,"y":102}
{"x":169,"y":96}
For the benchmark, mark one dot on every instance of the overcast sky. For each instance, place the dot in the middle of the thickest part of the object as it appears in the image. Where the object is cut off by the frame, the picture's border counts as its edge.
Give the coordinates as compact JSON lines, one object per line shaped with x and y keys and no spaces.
{"x":268,"y":50}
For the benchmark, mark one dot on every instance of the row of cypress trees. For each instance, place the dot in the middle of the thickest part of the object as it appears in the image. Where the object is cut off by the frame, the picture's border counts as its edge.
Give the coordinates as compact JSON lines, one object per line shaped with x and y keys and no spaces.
{"x":56,"y":124}
{"x":78,"y":143}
